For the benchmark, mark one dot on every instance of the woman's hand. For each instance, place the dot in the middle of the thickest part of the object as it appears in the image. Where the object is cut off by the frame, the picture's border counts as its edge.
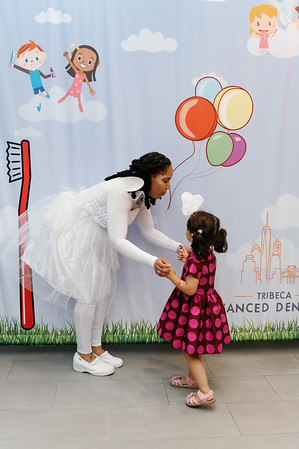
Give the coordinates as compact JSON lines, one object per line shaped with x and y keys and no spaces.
{"x":162,"y":267}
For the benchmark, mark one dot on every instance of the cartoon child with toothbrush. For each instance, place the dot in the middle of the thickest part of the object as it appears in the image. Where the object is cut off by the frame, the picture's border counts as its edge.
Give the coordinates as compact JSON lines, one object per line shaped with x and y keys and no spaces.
{"x":82,"y":67}
{"x":30,"y":58}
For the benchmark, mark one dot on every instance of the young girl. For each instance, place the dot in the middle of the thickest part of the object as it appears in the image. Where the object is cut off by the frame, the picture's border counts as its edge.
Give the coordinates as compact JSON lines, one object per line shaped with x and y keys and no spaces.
{"x":263,"y":24}
{"x":82,"y":67}
{"x":194,"y":317}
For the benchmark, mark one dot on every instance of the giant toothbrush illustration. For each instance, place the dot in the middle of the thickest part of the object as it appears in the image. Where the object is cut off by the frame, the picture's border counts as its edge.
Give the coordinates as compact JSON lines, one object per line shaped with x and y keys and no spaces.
{"x":19,"y":168}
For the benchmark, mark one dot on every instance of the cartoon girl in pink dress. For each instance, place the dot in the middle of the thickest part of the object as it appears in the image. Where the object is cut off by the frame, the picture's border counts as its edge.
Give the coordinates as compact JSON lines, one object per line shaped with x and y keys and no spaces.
{"x":82,"y":67}
{"x":263,"y":24}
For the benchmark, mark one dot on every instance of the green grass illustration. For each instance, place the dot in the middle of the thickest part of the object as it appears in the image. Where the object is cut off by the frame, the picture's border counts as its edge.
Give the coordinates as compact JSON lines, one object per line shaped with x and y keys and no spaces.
{"x":123,"y":332}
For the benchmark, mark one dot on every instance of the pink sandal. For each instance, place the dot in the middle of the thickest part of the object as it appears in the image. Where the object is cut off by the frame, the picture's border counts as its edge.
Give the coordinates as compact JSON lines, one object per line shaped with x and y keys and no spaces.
{"x":176,"y":381}
{"x":198,"y":399}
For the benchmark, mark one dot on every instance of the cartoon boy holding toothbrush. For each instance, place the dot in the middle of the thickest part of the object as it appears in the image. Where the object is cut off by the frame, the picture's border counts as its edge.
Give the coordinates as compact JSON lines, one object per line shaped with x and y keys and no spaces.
{"x":30,"y":58}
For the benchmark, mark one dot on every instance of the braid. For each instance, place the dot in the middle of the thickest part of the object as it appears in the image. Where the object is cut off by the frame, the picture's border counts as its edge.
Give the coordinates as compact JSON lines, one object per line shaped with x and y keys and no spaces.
{"x":147,"y":165}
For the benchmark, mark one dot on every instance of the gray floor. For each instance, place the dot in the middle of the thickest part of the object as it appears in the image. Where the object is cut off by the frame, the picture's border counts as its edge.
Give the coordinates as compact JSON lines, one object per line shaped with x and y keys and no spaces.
{"x":45,"y":405}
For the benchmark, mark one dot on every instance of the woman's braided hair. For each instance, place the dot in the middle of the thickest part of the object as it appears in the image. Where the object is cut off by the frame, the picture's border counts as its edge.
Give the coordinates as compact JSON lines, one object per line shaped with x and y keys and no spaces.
{"x":147,"y":165}
{"x":207,"y":234}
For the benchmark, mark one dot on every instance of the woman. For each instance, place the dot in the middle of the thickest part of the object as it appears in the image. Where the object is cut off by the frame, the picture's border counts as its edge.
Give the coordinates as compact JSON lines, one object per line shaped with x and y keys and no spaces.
{"x":74,"y":242}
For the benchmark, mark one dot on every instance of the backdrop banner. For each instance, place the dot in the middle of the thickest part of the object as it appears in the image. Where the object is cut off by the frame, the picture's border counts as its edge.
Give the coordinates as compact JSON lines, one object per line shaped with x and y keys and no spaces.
{"x":213,"y":85}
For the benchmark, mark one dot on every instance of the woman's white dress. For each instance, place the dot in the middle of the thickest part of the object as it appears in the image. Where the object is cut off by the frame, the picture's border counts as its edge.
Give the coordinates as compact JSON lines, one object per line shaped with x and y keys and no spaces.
{"x":74,"y":240}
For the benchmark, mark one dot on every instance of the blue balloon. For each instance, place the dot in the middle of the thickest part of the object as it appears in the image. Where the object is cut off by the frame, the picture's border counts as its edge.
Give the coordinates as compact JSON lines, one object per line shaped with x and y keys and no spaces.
{"x":208,"y":87}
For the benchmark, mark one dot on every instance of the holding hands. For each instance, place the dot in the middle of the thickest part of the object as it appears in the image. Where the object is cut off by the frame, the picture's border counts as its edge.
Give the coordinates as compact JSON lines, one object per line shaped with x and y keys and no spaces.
{"x":183,"y":253}
{"x":162,"y":267}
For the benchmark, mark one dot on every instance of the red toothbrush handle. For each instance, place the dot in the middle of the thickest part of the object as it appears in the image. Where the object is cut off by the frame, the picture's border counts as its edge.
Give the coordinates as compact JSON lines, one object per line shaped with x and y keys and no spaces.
{"x":26,"y":293}
{"x":26,"y":297}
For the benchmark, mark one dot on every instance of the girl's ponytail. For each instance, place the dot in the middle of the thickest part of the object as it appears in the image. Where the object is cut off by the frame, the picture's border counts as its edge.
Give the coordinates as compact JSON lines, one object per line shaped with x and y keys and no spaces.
{"x":220,"y":243}
{"x":199,"y":246}
{"x":206,"y":234}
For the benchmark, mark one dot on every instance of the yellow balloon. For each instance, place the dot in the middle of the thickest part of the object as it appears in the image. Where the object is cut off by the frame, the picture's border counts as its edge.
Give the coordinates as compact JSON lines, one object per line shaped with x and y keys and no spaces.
{"x":234,"y":107}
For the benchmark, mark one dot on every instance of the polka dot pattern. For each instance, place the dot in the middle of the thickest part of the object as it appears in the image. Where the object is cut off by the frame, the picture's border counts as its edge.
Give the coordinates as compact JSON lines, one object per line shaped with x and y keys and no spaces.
{"x":75,"y":89}
{"x":196,"y":324}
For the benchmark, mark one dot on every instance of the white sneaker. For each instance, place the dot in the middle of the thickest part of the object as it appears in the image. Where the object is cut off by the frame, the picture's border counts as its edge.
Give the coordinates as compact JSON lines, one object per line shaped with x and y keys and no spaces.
{"x":97,"y":367}
{"x":116,"y":362}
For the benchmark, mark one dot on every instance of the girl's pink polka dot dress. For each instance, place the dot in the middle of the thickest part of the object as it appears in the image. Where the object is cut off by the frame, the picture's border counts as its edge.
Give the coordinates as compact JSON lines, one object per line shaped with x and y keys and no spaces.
{"x":196,"y":324}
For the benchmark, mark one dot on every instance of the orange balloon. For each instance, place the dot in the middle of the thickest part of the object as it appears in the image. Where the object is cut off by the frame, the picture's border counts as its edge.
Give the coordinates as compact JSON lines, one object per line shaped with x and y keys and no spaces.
{"x":196,"y":118}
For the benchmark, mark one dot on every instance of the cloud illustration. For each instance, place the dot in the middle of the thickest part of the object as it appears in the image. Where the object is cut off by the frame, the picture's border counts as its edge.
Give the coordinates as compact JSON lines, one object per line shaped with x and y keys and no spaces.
{"x":285,"y":44}
{"x":285,"y":213}
{"x":235,"y":260}
{"x":289,"y":254}
{"x":52,"y":16}
{"x":27,"y":132}
{"x":191,"y":203}
{"x":65,"y":112}
{"x":149,"y":42}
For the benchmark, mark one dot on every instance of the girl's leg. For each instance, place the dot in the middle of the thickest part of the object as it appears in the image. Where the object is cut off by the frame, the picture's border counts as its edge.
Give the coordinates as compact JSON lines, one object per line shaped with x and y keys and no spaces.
{"x":83,"y":319}
{"x":80,"y":105}
{"x":198,"y":372}
{"x":62,"y":99}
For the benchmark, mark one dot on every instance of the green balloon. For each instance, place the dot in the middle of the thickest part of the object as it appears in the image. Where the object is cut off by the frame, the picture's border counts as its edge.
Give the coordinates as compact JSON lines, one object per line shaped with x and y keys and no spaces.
{"x":219,"y":148}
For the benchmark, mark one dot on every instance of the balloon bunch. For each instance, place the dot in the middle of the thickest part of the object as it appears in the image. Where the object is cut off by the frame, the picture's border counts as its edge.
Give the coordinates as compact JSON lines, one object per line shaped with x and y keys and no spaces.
{"x":196,"y":119}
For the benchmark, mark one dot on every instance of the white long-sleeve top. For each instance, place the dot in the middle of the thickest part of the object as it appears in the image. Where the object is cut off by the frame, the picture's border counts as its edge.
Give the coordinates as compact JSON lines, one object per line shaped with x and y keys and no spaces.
{"x":120,"y":213}
{"x":112,"y":207}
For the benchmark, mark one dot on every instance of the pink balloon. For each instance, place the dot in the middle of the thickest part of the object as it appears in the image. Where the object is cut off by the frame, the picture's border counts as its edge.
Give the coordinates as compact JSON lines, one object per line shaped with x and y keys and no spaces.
{"x":239,"y":150}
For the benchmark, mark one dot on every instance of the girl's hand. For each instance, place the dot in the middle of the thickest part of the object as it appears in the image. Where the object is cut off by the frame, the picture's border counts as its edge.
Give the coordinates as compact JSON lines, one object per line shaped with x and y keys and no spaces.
{"x":65,"y":54}
{"x":92,"y":92}
{"x":170,"y":274}
{"x":183,"y":254}
{"x":162,"y":267}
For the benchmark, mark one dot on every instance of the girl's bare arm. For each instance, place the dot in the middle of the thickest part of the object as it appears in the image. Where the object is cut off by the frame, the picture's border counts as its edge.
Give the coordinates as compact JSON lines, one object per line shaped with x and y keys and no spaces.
{"x":69,"y":61}
{"x":189,"y":286}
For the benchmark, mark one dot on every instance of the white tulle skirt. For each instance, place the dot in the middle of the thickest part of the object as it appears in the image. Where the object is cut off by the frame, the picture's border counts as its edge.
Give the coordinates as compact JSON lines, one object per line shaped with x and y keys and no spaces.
{"x":70,"y":255}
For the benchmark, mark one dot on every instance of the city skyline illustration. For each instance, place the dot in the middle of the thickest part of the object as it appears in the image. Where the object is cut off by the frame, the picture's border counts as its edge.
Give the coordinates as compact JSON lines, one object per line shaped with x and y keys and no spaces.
{"x":263,"y":264}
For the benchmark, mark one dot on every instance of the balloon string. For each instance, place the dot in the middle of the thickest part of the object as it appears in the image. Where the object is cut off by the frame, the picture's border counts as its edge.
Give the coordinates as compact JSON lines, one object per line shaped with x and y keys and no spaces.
{"x":195,"y":175}
{"x":201,"y":174}
{"x":189,"y":174}
{"x":185,"y":160}
{"x":192,"y":175}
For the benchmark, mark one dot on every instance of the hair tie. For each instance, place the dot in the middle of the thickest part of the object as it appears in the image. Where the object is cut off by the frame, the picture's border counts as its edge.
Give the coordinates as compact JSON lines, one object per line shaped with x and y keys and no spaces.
{"x":200,"y":231}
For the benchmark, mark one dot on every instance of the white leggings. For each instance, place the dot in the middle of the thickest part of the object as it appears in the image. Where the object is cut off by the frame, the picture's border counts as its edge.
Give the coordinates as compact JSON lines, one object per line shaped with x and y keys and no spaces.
{"x":89,"y":320}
